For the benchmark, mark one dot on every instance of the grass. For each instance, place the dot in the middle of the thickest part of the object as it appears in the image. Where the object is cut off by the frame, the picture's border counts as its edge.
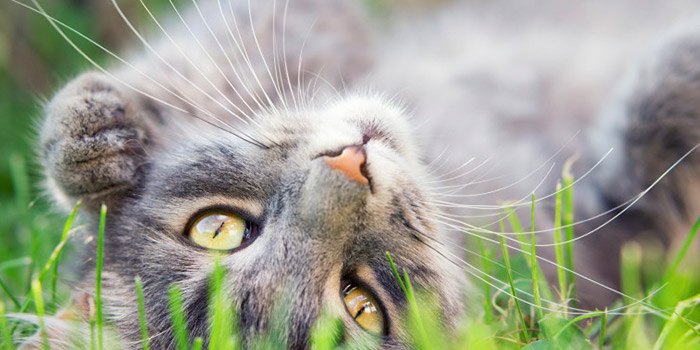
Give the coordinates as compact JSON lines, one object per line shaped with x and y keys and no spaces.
{"x":142,"y":314}
{"x":517,"y":314}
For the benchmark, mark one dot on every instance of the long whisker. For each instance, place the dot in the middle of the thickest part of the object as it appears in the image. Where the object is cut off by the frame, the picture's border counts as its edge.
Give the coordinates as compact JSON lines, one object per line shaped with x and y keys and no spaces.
{"x":477,"y":273}
{"x":448,"y":173}
{"x":534,"y":190}
{"x":626,"y":207}
{"x":300,"y":60}
{"x":550,"y":159}
{"x":195,"y":66}
{"x":56,"y":24}
{"x":284,"y":52}
{"x":275,"y":58}
{"x":434,"y":162}
{"x":543,"y":259}
{"x":226,"y":56}
{"x":244,"y":52}
{"x":177,"y":71}
{"x":638,"y":197}
{"x":262,"y":56}
{"x":522,"y":202}
{"x":245,"y":82}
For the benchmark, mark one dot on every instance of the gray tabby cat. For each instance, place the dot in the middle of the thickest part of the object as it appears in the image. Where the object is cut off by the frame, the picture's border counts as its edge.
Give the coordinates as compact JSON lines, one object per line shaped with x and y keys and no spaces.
{"x":253,"y":128}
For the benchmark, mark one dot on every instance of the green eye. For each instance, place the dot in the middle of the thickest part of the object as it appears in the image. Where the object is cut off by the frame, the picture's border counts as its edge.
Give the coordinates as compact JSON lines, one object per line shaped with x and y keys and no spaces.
{"x":220,"y":231}
{"x":364,"y":308}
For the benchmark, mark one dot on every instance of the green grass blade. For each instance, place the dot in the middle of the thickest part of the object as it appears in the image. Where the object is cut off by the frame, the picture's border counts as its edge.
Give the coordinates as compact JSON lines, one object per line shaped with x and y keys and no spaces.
{"x":421,"y":321}
{"x":486,"y":267}
{"x":177,"y":317}
{"x":222,"y":325}
{"x":603,"y":329}
{"x":396,"y":273}
{"x":671,"y":271}
{"x":52,"y":259}
{"x":559,"y":249}
{"x":14,"y":263}
{"x":5,"y":334}
{"x":54,"y":284}
{"x":41,"y":313}
{"x":55,"y":253}
{"x":98,"y":277}
{"x":578,"y":319}
{"x":631,"y":261}
{"x":529,"y":251}
{"x":6,"y":289}
{"x":327,"y":332}
{"x":198,"y":343}
{"x":420,"y":337}
{"x":506,"y":259}
{"x":535,"y":266}
{"x":55,"y":257}
{"x":142,"y":314}
{"x":675,"y":319}
{"x":568,"y":223}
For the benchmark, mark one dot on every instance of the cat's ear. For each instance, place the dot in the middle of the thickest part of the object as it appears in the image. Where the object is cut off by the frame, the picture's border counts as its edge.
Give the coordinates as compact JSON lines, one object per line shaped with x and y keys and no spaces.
{"x":94,"y":142}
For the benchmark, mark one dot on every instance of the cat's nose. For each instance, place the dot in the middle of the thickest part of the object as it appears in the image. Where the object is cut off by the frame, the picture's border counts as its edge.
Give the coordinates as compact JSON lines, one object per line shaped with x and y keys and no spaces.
{"x":351,"y":162}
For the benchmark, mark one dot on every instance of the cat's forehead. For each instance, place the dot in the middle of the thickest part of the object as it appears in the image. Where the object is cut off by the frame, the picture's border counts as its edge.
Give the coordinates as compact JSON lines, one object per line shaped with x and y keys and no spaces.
{"x":352,"y":120}
{"x":298,"y":132}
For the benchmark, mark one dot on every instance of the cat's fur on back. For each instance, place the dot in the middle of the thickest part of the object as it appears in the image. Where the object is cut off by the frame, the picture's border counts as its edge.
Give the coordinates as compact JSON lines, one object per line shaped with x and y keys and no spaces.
{"x":238,"y":102}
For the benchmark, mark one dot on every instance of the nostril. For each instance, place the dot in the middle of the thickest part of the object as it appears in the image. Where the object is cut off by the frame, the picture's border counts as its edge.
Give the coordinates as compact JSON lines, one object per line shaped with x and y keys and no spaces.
{"x":352,"y":162}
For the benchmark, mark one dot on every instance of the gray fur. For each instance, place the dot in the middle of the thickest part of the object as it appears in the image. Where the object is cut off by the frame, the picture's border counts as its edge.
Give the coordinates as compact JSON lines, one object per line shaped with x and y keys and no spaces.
{"x":158,"y":145}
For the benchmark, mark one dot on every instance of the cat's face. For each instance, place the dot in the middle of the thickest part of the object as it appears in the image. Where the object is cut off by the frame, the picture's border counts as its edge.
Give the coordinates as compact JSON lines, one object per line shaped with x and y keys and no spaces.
{"x":312,"y":233}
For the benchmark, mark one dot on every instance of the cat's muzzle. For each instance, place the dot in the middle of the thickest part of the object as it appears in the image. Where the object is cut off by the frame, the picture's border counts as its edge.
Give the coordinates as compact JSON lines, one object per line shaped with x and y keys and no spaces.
{"x":335,"y":190}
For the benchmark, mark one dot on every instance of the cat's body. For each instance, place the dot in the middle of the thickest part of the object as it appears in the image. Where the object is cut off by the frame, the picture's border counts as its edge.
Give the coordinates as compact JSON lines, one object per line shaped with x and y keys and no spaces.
{"x":170,"y":133}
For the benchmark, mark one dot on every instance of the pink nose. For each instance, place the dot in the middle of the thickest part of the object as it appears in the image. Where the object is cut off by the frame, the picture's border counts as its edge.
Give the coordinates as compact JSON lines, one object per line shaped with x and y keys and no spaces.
{"x":350,"y":162}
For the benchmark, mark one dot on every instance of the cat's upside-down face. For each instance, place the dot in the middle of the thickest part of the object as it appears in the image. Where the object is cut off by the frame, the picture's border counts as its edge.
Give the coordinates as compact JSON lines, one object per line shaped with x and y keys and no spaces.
{"x":314,"y":231}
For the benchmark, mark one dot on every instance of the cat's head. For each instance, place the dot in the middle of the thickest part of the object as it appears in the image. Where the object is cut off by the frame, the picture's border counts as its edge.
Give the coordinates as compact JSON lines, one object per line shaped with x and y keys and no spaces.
{"x":301,"y":223}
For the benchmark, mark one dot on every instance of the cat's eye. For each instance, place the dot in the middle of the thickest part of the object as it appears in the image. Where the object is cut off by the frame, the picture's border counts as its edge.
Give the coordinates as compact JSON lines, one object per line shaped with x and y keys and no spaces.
{"x":364,"y":308}
{"x":220,"y":231}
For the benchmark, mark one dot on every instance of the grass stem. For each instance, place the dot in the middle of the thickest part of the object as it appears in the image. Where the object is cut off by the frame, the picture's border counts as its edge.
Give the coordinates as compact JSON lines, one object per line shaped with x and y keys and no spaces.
{"x":568,"y":224}
{"x":559,"y":250}
{"x":5,"y":334}
{"x":41,"y":313}
{"x":486,"y":258}
{"x":177,"y":317}
{"x":535,"y":270}
{"x":98,"y":277}
{"x":142,"y":314}
{"x":6,"y":289}
{"x":603,"y":329}
{"x":506,"y":259}
{"x":673,"y":267}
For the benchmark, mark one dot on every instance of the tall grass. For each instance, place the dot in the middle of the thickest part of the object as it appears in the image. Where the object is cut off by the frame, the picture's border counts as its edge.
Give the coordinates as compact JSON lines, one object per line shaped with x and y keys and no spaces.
{"x":522,"y":318}
{"x":98,"y":277}
{"x":145,"y":342}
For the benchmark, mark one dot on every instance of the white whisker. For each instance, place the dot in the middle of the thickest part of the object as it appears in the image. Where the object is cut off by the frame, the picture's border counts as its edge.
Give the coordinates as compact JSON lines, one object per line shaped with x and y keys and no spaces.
{"x":56,"y":24}
{"x":262,"y":56}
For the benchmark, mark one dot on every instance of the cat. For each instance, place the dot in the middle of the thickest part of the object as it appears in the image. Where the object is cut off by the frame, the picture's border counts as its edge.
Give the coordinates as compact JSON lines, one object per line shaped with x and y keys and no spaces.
{"x":304,"y":140}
